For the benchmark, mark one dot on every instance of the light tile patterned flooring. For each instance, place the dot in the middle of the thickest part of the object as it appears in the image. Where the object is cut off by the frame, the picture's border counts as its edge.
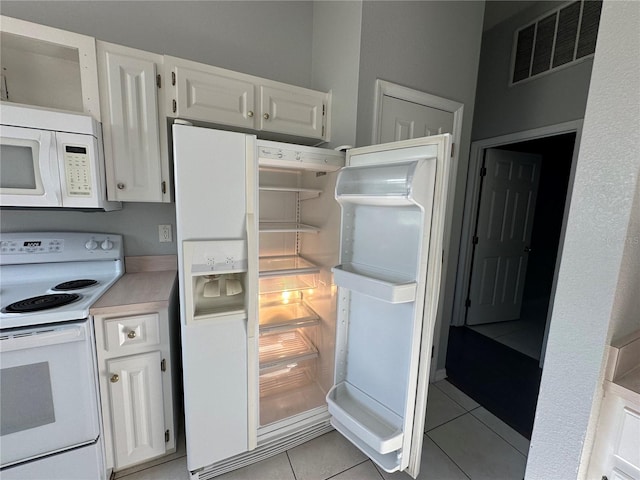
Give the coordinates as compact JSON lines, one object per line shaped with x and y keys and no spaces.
{"x":462,"y":441}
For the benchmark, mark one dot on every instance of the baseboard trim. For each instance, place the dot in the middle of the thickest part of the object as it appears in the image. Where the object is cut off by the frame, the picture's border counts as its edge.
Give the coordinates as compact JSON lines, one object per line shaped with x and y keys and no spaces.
{"x":441,"y":374}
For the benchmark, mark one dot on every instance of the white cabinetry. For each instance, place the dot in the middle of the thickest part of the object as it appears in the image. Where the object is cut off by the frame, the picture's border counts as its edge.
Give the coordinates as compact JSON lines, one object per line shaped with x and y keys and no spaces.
{"x":616,"y":449}
{"x":211,"y":94}
{"x":135,"y":363}
{"x":135,"y":390}
{"x":48,"y":67}
{"x":135,"y":135}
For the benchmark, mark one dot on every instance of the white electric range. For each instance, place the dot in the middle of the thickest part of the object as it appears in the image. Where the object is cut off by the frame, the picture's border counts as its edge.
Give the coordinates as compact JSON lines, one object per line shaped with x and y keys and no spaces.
{"x":49,"y":410}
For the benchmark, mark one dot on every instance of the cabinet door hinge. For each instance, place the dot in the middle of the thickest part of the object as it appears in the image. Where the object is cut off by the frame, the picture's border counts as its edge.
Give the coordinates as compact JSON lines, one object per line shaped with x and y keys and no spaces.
{"x":166,"y":436}
{"x":453,"y":149}
{"x":173,"y":78}
{"x":483,"y":171}
{"x":433,"y":349}
{"x":322,"y":134}
{"x":163,"y":365}
{"x":175,"y":105}
{"x":164,"y":187}
{"x":159,"y":81}
{"x":324,"y":109}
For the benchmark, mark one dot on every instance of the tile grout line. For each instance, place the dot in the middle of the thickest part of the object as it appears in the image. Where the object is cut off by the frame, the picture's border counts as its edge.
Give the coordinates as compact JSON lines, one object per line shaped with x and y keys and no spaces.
{"x":446,"y":455}
{"x":498,"y":434}
{"x":291,"y":465}
{"x":353,"y":466}
{"x":454,"y":400}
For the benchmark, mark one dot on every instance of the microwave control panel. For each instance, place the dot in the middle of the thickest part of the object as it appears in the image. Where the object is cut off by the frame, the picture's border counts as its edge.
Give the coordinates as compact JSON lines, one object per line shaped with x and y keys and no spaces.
{"x":77,"y":165}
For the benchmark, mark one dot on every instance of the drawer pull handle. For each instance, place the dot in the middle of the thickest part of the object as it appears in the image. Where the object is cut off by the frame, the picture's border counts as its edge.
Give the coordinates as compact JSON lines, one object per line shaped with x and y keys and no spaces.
{"x":131,"y":334}
{"x":115,"y":377}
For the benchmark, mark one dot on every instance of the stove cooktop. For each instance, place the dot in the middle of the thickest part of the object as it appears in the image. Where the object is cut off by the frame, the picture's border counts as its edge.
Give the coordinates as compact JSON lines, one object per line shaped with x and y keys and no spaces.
{"x":55,"y":276}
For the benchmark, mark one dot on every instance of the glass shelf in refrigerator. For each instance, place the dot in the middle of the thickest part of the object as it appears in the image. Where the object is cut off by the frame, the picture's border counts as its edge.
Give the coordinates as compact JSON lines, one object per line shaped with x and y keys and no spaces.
{"x":303,"y":193}
{"x":280,"y":349}
{"x":289,"y":283}
{"x":287,"y":227}
{"x":286,"y":317}
{"x":285,"y":265}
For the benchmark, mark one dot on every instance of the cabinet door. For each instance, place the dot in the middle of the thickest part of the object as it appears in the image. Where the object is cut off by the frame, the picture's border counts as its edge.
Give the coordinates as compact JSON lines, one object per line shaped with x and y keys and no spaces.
{"x":134,"y":133}
{"x":292,"y":110}
{"x":212,"y":94}
{"x":137,"y":410}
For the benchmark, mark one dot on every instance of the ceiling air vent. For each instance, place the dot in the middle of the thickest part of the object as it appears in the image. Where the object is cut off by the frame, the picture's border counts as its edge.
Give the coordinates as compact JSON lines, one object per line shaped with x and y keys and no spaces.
{"x":559,"y":38}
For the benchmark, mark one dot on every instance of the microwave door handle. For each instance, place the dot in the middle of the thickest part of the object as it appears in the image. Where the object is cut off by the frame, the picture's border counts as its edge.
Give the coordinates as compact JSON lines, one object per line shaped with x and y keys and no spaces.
{"x":54,"y":172}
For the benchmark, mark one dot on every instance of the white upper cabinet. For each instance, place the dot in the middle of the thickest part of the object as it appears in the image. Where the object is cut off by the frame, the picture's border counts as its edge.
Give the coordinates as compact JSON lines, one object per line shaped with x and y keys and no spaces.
{"x":293,"y":110}
{"x":48,"y":67}
{"x":135,"y":135}
{"x":210,"y":94}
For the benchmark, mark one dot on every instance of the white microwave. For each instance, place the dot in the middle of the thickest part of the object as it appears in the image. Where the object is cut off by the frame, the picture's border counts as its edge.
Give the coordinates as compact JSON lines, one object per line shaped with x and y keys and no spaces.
{"x":51,"y":158}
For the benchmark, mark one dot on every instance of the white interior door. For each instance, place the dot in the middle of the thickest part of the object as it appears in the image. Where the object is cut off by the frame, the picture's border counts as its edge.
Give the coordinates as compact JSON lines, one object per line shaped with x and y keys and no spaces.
{"x":402,"y":120}
{"x":393,"y":199}
{"x":503,"y":236}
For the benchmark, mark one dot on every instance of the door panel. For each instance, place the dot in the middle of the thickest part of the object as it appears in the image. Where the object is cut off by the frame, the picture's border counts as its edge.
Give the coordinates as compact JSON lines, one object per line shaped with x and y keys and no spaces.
{"x":388,"y":296}
{"x":402,"y":120}
{"x":505,"y":223}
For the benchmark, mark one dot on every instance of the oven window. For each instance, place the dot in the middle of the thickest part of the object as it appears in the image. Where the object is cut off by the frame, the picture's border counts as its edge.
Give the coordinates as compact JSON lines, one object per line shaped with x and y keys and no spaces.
{"x":27,"y":401}
{"x":17,"y":166}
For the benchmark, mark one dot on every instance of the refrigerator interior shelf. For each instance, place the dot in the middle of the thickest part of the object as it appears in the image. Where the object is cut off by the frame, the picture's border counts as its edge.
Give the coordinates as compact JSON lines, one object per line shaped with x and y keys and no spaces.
{"x":288,"y":283}
{"x":284,"y":348}
{"x":286,"y":227}
{"x":285,"y":265}
{"x":384,"y":285}
{"x":378,"y":200}
{"x":376,"y":425}
{"x":304,"y":193}
{"x":279,"y":378}
{"x":286,"y":317}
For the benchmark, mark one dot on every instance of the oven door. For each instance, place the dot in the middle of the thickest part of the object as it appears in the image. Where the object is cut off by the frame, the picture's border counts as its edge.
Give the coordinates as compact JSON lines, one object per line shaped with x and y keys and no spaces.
{"x":48,"y":391}
{"x":29,"y":173}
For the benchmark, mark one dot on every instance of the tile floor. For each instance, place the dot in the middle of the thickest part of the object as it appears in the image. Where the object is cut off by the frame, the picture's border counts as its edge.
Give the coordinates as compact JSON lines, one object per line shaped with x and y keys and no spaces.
{"x":525,"y":336}
{"x":462,"y":441}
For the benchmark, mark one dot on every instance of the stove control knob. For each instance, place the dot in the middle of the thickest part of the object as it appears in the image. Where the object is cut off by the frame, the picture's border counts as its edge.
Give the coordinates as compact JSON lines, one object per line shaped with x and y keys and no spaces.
{"x":106,"y":245}
{"x":91,"y":244}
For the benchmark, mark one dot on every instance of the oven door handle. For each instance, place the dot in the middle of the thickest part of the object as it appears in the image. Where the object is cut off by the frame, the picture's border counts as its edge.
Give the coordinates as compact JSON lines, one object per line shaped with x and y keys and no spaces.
{"x":43,"y":338}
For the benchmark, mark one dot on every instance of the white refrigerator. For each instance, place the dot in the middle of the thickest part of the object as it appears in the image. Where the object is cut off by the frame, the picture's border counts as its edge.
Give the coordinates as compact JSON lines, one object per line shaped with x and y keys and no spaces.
{"x":309,"y":283}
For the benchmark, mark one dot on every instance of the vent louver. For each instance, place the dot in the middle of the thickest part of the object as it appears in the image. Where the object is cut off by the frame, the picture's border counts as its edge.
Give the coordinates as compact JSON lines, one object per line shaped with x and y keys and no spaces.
{"x":557,"y":39}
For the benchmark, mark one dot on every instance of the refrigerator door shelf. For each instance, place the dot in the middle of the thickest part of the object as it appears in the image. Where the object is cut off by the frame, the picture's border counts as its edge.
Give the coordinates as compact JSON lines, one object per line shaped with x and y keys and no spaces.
{"x":384,"y":285}
{"x":373,"y":423}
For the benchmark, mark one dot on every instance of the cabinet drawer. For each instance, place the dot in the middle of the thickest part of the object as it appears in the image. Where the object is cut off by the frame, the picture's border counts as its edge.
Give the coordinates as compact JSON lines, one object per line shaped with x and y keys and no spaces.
{"x":124,"y":333}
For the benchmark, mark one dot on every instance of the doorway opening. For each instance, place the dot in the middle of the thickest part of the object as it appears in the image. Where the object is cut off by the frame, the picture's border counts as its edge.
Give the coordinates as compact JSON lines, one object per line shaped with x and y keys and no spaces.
{"x":498,"y":361}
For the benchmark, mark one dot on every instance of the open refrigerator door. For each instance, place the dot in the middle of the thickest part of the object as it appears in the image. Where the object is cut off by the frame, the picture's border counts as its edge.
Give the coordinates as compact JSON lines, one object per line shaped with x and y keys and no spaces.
{"x":393,"y":202}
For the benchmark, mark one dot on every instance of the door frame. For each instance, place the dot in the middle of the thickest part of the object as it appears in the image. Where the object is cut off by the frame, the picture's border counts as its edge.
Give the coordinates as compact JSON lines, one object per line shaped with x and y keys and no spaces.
{"x":471,"y":205}
{"x":384,"y":88}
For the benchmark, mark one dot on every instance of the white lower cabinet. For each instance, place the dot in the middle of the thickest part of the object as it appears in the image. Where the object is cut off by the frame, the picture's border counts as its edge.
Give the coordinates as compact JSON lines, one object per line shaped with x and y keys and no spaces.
{"x":137,"y":407}
{"x":136,"y":386}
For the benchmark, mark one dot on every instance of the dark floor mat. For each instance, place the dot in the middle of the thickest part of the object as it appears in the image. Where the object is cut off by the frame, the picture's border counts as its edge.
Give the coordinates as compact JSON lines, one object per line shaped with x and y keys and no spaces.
{"x":502,"y":380}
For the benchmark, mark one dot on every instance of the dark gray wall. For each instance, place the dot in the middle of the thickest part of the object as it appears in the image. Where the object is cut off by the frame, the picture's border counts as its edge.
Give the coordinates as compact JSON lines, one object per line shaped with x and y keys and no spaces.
{"x":268,"y":39}
{"x":557,"y":97}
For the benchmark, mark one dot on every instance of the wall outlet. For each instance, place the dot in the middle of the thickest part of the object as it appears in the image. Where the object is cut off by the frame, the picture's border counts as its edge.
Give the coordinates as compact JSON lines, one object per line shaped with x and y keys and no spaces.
{"x":164,"y":233}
